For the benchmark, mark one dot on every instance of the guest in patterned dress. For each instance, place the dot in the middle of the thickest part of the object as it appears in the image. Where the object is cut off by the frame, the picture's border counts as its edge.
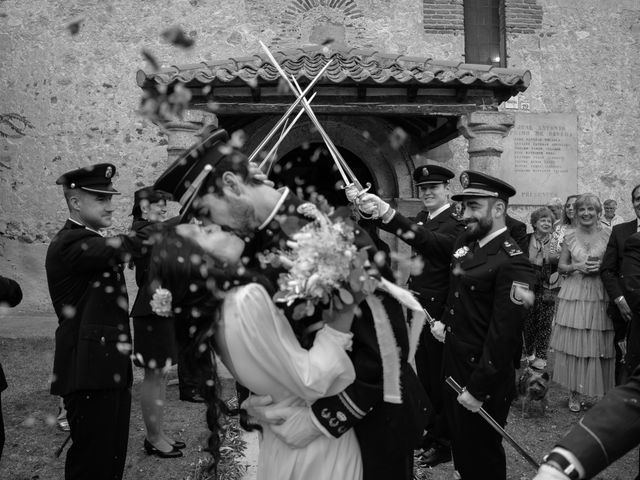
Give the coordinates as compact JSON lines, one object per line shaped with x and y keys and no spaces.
{"x":537,"y":324}
{"x":583,"y":332}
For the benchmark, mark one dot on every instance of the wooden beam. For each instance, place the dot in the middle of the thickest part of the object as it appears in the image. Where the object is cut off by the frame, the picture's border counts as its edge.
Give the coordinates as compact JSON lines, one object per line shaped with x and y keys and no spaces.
{"x":360,"y":108}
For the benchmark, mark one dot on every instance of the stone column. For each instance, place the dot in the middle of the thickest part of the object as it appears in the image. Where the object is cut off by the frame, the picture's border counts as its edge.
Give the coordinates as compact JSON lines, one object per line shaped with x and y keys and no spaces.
{"x":183,"y":133}
{"x":486,"y":132}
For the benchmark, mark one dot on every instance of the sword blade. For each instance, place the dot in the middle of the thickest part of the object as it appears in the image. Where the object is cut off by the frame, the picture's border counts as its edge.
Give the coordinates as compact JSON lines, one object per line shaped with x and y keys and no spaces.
{"x":287,"y":129}
{"x":335,"y":154}
{"x":289,"y":111}
{"x":496,"y":426}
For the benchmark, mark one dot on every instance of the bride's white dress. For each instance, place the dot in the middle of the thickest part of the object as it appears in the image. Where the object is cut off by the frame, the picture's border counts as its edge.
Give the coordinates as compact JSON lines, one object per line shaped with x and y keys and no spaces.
{"x":258,"y":346}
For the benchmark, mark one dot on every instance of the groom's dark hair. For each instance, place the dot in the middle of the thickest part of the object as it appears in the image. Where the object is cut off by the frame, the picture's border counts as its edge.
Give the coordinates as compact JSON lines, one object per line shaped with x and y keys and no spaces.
{"x":235,"y":162}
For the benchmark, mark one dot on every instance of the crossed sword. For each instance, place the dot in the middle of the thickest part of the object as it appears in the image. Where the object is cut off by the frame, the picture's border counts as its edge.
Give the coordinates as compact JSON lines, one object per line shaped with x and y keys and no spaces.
{"x":348,"y":178}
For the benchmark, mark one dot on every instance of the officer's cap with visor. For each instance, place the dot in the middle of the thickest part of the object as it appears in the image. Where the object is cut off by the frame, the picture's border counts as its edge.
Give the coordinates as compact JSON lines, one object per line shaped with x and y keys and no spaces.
{"x":93,"y":178}
{"x":186,"y":176}
{"x":478,"y":184}
{"x":431,"y":175}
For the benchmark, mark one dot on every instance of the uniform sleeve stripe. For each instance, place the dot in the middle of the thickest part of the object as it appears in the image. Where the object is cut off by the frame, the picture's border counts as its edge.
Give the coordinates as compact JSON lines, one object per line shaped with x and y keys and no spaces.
{"x":351,"y":406}
{"x":595,"y":437}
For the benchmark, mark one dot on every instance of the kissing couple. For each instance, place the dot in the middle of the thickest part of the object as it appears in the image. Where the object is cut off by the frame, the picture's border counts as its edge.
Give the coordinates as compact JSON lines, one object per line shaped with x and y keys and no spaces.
{"x":316,"y":383}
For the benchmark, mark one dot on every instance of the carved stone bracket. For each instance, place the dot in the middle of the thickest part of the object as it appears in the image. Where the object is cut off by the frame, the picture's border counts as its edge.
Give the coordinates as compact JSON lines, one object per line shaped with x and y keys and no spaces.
{"x":486,"y":132}
{"x":183,"y":133}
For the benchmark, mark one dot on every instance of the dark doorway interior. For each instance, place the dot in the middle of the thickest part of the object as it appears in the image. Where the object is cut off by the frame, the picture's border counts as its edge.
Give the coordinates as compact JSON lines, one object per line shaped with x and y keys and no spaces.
{"x":309,"y":168}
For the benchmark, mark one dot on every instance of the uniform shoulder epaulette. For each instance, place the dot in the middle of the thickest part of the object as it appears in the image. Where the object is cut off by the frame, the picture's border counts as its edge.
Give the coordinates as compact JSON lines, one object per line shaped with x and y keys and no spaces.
{"x":512,"y":249}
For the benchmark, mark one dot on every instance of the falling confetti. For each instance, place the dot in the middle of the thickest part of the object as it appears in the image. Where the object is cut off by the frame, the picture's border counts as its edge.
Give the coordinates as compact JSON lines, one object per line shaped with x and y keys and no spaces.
{"x":151,"y":59}
{"x":397,"y":138}
{"x":175,"y":36}
{"x":74,"y":27}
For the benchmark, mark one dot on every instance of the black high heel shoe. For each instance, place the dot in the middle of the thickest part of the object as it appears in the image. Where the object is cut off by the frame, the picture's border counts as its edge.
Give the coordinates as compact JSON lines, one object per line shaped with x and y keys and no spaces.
{"x":178,"y":444}
{"x":151,"y":450}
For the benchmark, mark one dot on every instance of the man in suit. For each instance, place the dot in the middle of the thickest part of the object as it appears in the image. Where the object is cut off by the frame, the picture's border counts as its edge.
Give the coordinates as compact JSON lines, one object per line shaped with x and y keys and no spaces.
{"x":491,"y":286}
{"x":607,"y":432}
{"x":91,"y":366}
{"x":630,"y":273}
{"x":610,"y":272}
{"x":610,"y":218}
{"x":219,"y":184}
{"x":10,"y":295}
{"x":432,"y":235}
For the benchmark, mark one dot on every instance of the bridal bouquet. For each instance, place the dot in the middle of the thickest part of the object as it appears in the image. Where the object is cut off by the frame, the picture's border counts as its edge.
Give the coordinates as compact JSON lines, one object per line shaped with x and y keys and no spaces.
{"x":324,"y":265}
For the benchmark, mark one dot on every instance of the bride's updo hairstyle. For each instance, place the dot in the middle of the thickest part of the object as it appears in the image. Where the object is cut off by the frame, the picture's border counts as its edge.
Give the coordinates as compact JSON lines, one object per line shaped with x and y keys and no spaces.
{"x":197,"y":284}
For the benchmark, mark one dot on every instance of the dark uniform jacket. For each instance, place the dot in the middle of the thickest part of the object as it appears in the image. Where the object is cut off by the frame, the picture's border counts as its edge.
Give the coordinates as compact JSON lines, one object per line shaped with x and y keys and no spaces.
{"x":518,"y":231}
{"x":630,"y":275}
{"x":484,"y":314}
{"x":384,"y":430}
{"x":89,"y":296}
{"x":10,"y":294}
{"x":610,"y":267}
{"x":608,"y":430}
{"x":434,"y":240}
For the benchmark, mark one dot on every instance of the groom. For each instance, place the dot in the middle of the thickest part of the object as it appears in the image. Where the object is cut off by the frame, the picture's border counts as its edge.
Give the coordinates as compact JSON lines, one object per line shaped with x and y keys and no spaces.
{"x":220,"y":184}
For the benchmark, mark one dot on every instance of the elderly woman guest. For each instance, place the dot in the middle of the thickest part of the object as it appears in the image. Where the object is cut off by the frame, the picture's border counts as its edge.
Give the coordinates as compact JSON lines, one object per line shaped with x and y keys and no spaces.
{"x":537,"y":324}
{"x":583,"y":333}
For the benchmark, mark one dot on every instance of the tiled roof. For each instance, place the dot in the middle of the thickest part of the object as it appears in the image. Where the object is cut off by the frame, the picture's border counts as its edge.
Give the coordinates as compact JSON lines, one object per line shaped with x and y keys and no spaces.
{"x":349,"y":66}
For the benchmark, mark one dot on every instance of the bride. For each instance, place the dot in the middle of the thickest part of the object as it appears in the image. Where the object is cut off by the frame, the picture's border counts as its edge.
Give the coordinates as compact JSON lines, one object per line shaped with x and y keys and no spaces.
{"x":223,"y":308}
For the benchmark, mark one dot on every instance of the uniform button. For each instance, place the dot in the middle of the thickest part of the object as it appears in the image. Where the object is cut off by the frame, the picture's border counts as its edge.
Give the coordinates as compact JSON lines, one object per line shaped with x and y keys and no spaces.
{"x":103,"y":340}
{"x":488,"y":397}
{"x":456,"y":294}
{"x":451,"y":312}
{"x":473,"y":287}
{"x":449,"y":329}
{"x":433,"y":299}
{"x":473,"y":359}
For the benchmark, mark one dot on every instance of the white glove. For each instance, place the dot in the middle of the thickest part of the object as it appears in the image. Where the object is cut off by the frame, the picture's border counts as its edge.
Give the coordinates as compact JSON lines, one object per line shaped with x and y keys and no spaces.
{"x":546,"y":472}
{"x":372,"y":205}
{"x":438,"y":331}
{"x":352,"y":192}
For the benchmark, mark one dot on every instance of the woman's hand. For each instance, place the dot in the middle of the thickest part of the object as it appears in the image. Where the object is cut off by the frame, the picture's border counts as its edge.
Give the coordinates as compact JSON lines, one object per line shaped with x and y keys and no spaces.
{"x":592,"y":267}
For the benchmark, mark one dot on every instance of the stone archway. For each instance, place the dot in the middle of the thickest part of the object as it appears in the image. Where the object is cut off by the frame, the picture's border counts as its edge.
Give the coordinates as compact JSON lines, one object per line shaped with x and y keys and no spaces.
{"x":366,"y":138}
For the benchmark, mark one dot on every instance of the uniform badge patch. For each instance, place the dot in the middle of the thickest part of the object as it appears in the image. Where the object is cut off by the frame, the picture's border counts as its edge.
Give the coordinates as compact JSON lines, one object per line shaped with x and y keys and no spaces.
{"x":520,"y":294}
{"x":109,"y":172}
{"x":425,"y":171}
{"x":464,"y":180}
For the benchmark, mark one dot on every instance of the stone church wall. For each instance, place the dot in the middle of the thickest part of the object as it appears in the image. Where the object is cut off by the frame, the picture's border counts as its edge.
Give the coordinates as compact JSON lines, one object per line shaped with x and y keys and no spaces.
{"x":69,"y":100}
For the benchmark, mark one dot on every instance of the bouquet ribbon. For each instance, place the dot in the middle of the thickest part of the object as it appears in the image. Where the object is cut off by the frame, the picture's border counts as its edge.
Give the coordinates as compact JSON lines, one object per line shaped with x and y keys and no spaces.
{"x":386,"y":340}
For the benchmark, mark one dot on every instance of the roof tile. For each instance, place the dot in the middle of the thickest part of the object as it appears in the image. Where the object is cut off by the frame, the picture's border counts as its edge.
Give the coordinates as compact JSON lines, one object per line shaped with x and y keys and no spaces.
{"x":354,"y":64}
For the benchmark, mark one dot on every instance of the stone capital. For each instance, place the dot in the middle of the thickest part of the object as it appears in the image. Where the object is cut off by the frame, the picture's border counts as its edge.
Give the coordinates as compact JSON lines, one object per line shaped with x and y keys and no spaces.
{"x":184,"y":132}
{"x":486,"y":132}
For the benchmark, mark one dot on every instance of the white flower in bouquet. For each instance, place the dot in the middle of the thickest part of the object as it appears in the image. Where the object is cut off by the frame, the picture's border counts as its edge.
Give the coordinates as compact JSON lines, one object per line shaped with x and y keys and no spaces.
{"x":161,"y":302}
{"x":324,"y":265}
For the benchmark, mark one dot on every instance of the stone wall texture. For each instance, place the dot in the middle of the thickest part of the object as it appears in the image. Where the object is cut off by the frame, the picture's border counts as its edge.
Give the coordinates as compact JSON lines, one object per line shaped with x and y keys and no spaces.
{"x":68,"y":100}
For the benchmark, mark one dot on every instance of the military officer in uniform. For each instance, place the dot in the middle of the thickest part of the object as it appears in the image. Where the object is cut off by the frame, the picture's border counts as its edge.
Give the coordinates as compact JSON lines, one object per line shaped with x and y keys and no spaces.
{"x":490,"y":288}
{"x":91,"y":366}
{"x":432,"y":235}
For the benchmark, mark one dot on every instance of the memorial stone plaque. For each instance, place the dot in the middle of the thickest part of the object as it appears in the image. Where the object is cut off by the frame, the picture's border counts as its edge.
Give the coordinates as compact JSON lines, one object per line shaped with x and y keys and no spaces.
{"x":540,"y":157}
